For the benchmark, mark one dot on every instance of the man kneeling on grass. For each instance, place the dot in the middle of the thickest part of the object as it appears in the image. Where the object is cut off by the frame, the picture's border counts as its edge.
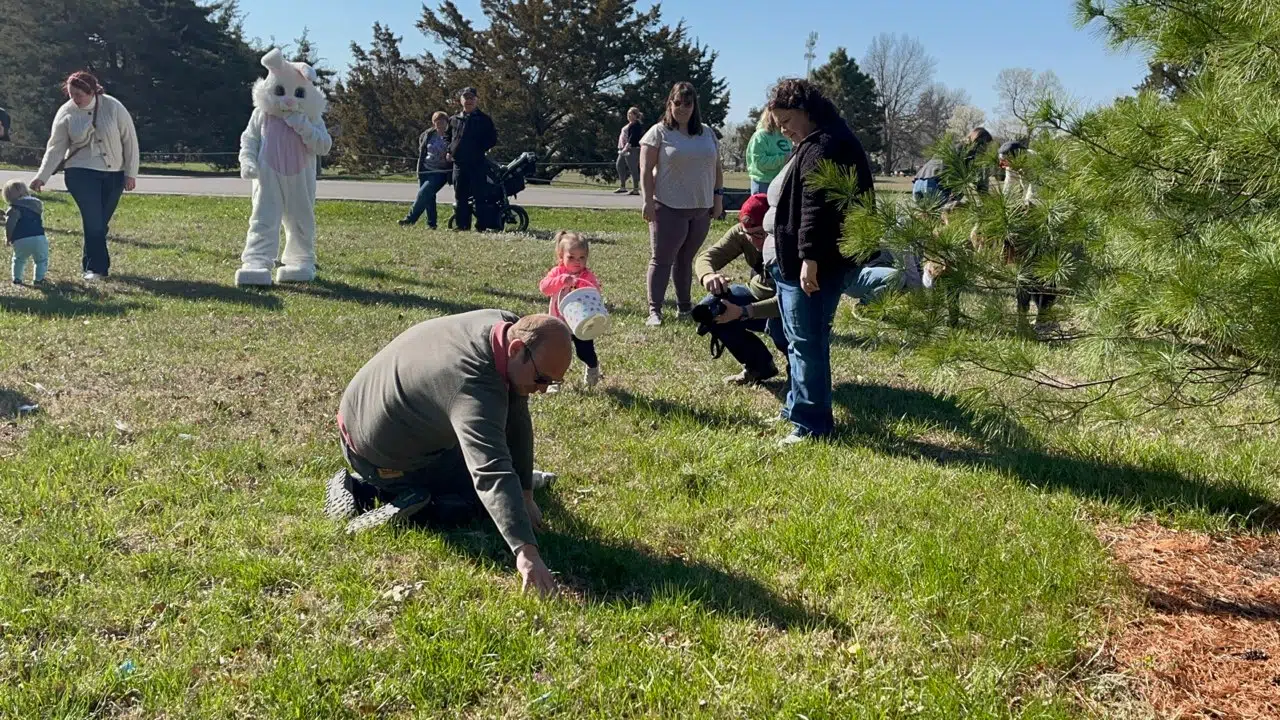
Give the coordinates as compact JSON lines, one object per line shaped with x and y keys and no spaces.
{"x":439,"y":421}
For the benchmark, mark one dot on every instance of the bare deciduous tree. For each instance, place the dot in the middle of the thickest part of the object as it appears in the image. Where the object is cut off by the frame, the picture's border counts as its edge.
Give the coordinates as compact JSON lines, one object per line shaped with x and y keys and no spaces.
{"x":934,"y":108}
{"x":902,"y":70}
{"x":965,"y":118}
{"x":1021,"y":92}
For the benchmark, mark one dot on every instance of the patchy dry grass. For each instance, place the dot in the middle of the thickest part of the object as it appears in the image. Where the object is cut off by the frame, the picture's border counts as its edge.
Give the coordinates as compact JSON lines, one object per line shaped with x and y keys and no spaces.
{"x":164,"y":555}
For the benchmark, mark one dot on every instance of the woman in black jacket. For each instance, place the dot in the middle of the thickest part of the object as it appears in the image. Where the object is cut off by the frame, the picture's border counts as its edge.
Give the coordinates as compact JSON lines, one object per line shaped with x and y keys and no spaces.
{"x":805,"y":260}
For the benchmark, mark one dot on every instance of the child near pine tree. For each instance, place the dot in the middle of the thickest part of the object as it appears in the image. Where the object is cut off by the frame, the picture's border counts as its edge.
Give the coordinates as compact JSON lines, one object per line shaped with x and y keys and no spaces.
{"x":570,"y":273}
{"x":24,"y":230}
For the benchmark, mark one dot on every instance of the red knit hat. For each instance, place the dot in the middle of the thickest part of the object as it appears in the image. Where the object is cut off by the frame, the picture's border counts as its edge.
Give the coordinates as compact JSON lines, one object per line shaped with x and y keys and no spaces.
{"x":753,"y":210}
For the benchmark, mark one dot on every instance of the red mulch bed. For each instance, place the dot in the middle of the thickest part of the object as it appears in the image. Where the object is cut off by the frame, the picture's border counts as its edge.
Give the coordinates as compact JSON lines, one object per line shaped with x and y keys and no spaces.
{"x":1209,"y":645}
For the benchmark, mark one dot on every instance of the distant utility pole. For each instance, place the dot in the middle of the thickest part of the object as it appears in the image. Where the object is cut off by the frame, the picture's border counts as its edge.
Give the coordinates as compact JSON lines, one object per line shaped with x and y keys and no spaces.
{"x":809,"y":45}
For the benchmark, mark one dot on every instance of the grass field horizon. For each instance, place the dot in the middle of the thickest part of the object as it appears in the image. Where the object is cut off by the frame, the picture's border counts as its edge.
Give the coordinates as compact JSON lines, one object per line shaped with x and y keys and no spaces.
{"x":166,"y":556}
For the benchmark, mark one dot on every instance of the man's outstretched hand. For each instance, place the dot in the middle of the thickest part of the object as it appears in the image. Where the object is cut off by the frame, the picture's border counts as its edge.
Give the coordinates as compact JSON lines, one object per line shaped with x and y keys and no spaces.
{"x":534,"y":573}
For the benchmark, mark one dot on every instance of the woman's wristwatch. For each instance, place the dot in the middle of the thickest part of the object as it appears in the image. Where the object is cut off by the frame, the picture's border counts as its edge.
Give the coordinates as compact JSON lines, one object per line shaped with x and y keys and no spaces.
{"x":718,"y":191}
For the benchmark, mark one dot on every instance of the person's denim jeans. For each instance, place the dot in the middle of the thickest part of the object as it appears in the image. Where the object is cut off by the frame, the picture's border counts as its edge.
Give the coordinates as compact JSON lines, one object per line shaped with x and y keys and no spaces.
{"x":929,"y":192}
{"x":96,"y":194}
{"x":430,"y":184}
{"x":739,"y":337}
{"x":868,"y":283}
{"x":759,"y":187}
{"x":806,"y":320}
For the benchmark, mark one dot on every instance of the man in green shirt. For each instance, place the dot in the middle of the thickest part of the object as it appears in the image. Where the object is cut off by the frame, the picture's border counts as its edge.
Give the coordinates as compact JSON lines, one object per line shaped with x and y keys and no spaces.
{"x":746,"y":309}
{"x":440,"y":417}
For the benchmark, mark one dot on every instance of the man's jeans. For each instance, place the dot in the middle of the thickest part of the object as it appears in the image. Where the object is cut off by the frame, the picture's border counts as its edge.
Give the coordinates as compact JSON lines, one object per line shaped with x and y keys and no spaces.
{"x":758,"y":187}
{"x":929,"y":191}
{"x":430,"y":184}
{"x":869,"y":282}
{"x":739,"y":337}
{"x":807,"y":321}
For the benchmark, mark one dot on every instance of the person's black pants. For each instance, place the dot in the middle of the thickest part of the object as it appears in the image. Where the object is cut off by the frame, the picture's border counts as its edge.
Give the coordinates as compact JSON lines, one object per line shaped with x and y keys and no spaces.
{"x":446,"y":479}
{"x":471,"y":187}
{"x":740,"y":338}
{"x":97,"y":193}
{"x":1043,"y":296}
{"x":586,"y":350}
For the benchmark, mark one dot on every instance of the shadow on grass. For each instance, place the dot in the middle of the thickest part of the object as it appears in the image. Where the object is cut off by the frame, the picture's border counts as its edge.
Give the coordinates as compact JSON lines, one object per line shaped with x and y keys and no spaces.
{"x":383,"y":275}
{"x":1154,"y":488}
{"x":66,"y":300}
{"x":335,"y":290}
{"x":662,"y":410}
{"x":530,"y":298}
{"x":197,"y":290}
{"x":10,"y":401}
{"x":609,"y":571}
{"x":184,"y":248}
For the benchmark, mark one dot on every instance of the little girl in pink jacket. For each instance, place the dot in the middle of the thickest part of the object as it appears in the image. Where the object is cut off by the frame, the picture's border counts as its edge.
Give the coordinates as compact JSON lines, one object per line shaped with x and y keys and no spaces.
{"x":571,"y":273}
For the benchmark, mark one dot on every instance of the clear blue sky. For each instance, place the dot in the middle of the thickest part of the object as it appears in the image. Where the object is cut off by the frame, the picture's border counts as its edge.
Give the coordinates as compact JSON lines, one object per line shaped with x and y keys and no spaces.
{"x":759,"y":41}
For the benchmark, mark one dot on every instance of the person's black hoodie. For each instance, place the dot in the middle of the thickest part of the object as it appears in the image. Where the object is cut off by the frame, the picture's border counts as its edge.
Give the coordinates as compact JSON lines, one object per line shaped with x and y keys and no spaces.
{"x":470,"y":136}
{"x":807,"y":222}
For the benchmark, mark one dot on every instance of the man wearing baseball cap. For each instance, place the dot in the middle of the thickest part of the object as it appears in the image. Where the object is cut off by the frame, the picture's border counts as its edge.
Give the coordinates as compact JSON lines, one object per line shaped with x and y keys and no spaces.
{"x":733,"y":313}
{"x":470,"y":135}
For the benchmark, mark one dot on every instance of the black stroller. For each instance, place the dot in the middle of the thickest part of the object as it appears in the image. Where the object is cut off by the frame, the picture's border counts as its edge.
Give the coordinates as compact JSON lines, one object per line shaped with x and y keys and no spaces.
{"x":502,"y":182}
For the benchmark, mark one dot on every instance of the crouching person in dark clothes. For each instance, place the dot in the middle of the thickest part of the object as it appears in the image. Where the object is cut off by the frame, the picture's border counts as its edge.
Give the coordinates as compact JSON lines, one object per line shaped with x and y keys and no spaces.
{"x":733,"y":313}
{"x":439,"y":421}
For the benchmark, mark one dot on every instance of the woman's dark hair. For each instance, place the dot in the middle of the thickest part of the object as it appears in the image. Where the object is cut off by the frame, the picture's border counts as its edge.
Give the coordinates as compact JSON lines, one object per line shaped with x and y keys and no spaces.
{"x":797,"y":94}
{"x":684,"y":92}
{"x":975,"y":143}
{"x":84,"y":82}
{"x":978,"y":138}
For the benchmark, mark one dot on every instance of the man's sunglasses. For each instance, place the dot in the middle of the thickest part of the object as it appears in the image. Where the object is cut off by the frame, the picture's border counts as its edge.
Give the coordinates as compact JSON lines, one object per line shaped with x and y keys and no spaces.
{"x":538,"y":377}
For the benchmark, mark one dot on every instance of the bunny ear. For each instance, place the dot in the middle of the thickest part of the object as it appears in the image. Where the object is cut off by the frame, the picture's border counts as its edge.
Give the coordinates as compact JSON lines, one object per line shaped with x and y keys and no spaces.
{"x":273,"y":60}
{"x":307,"y":72}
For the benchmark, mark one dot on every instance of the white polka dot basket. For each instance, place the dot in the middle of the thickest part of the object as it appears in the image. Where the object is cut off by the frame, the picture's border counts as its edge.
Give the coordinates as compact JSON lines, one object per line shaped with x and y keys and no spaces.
{"x":584,"y":312}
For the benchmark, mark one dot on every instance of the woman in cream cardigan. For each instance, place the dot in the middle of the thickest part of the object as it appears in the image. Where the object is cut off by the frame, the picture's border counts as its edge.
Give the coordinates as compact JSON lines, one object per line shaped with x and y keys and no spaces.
{"x":94,"y":134}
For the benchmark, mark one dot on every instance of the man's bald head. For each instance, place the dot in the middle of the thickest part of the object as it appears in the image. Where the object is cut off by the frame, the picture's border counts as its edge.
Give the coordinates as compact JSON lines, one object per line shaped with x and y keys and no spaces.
{"x":549,"y":342}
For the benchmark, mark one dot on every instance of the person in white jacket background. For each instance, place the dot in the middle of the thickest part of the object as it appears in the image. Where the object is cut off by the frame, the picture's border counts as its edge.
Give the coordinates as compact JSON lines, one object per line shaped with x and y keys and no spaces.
{"x":94,"y":139}
{"x":278,"y":152}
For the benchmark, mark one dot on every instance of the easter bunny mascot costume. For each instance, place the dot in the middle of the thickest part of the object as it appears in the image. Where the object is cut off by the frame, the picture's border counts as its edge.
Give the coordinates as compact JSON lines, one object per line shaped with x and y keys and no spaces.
{"x":278,"y":153}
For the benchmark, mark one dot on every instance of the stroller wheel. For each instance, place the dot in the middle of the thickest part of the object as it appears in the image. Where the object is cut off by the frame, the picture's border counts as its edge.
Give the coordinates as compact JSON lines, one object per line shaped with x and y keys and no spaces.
{"x":515,"y":219}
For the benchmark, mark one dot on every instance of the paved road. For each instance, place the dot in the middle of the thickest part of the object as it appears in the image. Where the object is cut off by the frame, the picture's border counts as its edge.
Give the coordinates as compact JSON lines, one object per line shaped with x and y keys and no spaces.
{"x":400,"y":192}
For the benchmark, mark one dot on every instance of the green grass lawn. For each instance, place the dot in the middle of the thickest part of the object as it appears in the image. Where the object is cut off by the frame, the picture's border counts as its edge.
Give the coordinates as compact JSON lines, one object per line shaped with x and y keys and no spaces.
{"x":164,"y":553}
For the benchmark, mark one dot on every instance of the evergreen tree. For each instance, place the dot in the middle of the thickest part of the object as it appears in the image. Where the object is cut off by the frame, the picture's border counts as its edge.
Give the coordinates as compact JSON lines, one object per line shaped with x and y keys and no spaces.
{"x":182,"y":68}
{"x":545,"y":70}
{"x":305,"y":51}
{"x":559,"y":75}
{"x":854,"y":94}
{"x":384,"y":103}
{"x":1157,"y":220}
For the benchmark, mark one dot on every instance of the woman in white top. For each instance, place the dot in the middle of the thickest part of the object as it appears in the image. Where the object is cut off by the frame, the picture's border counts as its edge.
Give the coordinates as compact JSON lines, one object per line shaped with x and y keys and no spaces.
{"x":683,"y":185}
{"x":94,"y":134}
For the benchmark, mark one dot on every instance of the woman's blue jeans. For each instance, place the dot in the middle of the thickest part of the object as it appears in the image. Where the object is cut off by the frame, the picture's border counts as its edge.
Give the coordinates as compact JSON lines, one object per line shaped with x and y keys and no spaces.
{"x":430,"y":184}
{"x":96,"y":193}
{"x":807,"y":320}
